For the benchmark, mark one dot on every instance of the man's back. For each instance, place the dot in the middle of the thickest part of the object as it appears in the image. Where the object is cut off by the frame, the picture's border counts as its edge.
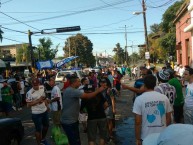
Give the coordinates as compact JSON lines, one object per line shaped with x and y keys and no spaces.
{"x":71,"y":106}
{"x":168,"y":90}
{"x":153,"y":107}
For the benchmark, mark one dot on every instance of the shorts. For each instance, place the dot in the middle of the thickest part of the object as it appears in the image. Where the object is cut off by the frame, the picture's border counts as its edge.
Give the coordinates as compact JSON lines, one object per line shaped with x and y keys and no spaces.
{"x":6,"y":107}
{"x":40,"y":121}
{"x":72,"y":132}
{"x":56,"y":117}
{"x":109,"y":112}
{"x":118,"y":86}
{"x":83,"y":117}
{"x":92,"y":129}
{"x":188,"y":115}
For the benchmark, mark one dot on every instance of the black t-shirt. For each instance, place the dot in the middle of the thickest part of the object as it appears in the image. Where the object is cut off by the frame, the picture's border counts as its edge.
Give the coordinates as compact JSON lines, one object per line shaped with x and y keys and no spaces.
{"x":94,"y":107}
{"x":48,"y":90}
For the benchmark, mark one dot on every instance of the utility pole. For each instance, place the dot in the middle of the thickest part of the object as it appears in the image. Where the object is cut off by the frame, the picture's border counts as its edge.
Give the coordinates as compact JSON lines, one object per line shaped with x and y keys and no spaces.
{"x":145,"y":28}
{"x":126,"y":59}
{"x":31,"y":50}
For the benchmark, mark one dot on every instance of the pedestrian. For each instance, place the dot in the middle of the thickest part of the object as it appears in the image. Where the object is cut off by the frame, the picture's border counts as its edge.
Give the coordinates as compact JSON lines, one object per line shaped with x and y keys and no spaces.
{"x":110,"y":110}
{"x":36,"y":99}
{"x":96,"y":116}
{"x":22,"y":92}
{"x":188,"y":102}
{"x":56,"y":102}
{"x":71,"y":108}
{"x":83,"y":113}
{"x":179,"y":100}
{"x":152,"y":111}
{"x":7,"y":98}
{"x":164,"y":87}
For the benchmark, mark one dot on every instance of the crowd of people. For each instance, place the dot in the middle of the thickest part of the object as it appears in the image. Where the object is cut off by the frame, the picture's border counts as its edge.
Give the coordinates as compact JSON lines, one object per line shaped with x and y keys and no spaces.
{"x":158,"y":102}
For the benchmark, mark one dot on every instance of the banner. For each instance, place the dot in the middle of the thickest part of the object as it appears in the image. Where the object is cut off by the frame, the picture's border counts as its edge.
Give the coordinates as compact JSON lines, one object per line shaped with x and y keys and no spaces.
{"x":44,"y":64}
{"x":65,"y":60}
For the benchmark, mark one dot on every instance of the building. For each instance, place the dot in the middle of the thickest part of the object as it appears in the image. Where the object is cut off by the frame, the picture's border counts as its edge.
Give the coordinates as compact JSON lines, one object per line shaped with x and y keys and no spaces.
{"x":183,"y":39}
{"x":189,"y":28}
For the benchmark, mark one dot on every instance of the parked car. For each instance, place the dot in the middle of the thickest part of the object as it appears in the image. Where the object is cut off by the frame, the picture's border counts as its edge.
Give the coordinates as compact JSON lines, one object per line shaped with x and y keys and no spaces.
{"x":60,"y":76}
{"x":11,"y":131}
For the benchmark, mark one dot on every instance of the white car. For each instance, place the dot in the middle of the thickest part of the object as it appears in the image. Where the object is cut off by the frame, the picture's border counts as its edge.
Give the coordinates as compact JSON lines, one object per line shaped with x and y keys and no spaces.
{"x":60,"y":76}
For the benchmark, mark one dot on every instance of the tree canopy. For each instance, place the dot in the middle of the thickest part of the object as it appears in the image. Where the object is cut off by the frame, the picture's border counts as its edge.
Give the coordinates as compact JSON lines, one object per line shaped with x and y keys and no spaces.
{"x":80,"y":45}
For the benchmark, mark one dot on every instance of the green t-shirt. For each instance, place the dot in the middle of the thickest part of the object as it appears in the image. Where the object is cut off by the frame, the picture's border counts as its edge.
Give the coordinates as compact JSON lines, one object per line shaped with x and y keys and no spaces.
{"x":6,"y":94}
{"x":179,"y":95}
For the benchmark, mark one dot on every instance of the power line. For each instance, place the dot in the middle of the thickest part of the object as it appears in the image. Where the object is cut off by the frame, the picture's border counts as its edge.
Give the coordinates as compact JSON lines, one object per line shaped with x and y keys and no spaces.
{"x":19,"y":21}
{"x":162,"y":5}
{"x":6,"y":1}
{"x":74,"y":13}
{"x":13,"y":30}
{"x":13,"y":40}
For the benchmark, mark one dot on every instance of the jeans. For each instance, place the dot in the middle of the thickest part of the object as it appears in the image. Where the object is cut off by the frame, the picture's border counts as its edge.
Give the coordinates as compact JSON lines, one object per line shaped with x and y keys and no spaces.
{"x":72,"y":132}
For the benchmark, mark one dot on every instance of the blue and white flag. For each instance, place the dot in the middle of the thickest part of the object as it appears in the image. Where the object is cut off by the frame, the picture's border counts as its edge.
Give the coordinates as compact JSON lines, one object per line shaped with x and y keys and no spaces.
{"x":44,"y":64}
{"x":65,"y":60}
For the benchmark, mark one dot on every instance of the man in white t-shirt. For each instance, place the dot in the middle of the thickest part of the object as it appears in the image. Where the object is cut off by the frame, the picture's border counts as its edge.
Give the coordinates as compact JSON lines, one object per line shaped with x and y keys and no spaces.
{"x":35,"y":98}
{"x":152,"y":111}
{"x":56,"y":102}
{"x":188,"y":102}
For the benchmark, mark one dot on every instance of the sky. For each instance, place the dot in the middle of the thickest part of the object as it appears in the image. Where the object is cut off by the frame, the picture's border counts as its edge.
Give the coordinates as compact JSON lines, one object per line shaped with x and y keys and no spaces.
{"x":104,"y":22}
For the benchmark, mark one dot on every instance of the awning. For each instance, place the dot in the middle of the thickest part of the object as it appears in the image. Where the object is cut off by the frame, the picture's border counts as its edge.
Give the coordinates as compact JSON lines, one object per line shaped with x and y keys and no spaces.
{"x":188,"y":28}
{"x":2,"y":64}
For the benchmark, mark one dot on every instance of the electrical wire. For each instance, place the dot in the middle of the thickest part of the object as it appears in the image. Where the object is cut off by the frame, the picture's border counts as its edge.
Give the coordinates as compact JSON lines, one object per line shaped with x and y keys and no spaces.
{"x":162,"y":5}
{"x":6,"y":1}
{"x":19,"y":21}
{"x":13,"y":30}
{"x":13,"y":40}
{"x":73,"y":13}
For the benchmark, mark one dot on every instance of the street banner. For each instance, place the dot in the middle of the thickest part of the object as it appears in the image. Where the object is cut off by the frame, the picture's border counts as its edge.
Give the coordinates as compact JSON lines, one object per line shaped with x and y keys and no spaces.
{"x":65,"y":60}
{"x":44,"y":64}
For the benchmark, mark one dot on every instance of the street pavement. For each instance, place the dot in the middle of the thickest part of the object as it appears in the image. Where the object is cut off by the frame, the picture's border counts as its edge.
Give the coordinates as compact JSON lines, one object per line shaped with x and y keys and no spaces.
{"x":124,"y":133}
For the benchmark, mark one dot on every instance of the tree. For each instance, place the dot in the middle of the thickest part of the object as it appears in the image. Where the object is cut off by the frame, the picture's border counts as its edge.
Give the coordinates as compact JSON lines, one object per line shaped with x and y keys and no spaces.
{"x":80,"y":45}
{"x":1,"y":37}
{"x":23,"y":54}
{"x":155,"y":28}
{"x":167,"y":24}
{"x":44,"y":50}
{"x":119,"y":56}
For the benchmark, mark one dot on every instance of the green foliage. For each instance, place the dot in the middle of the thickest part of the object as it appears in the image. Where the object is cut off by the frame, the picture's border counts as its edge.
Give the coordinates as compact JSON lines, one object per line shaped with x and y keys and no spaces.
{"x":167,"y":24}
{"x":80,"y":45}
{"x":119,"y":56}
{"x":155,"y":28}
{"x":23,"y":54}
{"x":44,"y":50}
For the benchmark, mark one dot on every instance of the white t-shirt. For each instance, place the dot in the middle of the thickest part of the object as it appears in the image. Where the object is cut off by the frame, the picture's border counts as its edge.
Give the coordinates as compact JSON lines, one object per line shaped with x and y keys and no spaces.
{"x":153,"y":107}
{"x":181,"y":71}
{"x":55,"y":93}
{"x":168,"y":90}
{"x":34,"y":95}
{"x":22,"y":87}
{"x":189,"y":95}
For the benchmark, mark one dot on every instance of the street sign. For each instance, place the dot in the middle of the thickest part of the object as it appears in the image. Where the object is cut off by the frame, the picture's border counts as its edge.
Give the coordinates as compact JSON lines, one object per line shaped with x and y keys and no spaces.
{"x":68,"y":29}
{"x":147,"y":56}
{"x":142,"y":45}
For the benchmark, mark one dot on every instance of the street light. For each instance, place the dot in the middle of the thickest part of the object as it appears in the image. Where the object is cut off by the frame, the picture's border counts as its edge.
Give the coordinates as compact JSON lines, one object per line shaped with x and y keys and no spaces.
{"x":145,"y":29}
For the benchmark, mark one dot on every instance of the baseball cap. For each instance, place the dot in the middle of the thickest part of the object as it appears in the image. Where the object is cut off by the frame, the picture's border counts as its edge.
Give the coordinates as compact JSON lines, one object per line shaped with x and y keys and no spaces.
{"x":164,"y":75}
{"x":103,"y":80}
{"x":35,"y":82}
{"x":175,"y":134}
{"x":88,"y":88}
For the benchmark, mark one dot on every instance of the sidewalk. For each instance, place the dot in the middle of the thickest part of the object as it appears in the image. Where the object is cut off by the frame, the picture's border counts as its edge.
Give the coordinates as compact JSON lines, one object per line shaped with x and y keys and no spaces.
{"x":124,"y":134}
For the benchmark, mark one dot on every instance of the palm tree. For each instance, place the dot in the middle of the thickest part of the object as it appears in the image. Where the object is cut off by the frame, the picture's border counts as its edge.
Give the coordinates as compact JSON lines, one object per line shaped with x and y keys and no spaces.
{"x":1,"y":37}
